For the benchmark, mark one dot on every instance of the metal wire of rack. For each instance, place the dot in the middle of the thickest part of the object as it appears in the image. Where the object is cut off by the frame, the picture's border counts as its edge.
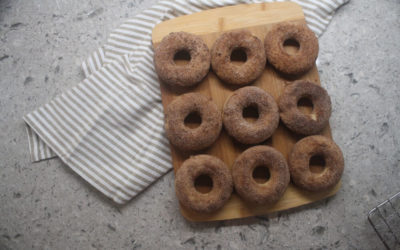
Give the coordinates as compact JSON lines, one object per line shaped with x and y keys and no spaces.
{"x":385,"y":219}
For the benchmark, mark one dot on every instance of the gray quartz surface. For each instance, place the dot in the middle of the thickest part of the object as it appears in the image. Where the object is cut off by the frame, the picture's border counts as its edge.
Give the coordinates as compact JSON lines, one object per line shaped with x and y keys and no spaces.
{"x":47,"y":206}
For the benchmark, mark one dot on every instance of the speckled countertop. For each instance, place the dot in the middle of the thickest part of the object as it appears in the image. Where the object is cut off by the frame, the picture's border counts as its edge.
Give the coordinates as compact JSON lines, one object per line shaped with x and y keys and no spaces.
{"x":46,"y":206}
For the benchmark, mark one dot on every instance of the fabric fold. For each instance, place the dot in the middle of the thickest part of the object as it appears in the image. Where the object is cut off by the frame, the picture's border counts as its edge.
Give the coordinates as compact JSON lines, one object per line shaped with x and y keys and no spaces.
{"x":107,"y":129}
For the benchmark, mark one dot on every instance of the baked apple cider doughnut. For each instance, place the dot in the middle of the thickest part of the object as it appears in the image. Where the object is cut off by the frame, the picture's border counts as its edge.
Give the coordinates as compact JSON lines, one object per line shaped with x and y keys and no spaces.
{"x":292,"y":64}
{"x":250,"y":132}
{"x":192,"y":139}
{"x":243,"y":170}
{"x":293,"y":118}
{"x":193,"y":168}
{"x":299,"y":163}
{"x":227,"y":44}
{"x":182,"y":75}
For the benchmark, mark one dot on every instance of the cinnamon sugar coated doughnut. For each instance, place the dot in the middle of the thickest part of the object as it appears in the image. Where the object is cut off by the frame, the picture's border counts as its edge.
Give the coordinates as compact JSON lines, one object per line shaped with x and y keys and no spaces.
{"x":293,"y":64}
{"x":181,"y":75}
{"x":190,"y":139}
{"x":250,"y":132}
{"x":245,"y":73}
{"x":297,"y":121}
{"x":242,"y":174}
{"x":299,"y":163}
{"x":194,"y":167}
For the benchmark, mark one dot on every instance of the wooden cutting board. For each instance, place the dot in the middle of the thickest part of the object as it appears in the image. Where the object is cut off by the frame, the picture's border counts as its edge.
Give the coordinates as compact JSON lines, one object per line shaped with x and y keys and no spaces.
{"x":209,"y":24}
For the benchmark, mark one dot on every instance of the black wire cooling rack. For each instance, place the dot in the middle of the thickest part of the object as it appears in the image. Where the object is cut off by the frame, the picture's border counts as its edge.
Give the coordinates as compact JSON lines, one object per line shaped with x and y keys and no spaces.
{"x":385,"y":219}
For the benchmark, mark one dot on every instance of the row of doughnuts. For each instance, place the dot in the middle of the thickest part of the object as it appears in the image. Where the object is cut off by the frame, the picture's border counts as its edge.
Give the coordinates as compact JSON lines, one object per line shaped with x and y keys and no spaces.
{"x":188,"y":139}
{"x":241,"y":175}
{"x":220,"y":57}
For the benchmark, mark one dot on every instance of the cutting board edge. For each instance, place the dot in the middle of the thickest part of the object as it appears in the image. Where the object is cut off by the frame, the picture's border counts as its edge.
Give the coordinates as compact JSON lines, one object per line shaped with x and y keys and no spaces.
{"x":155,"y":38}
{"x":194,"y":218}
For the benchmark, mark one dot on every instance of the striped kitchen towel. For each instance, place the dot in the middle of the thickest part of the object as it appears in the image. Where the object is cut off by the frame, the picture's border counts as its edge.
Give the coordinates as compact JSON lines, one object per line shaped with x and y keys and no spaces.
{"x":109,"y":127}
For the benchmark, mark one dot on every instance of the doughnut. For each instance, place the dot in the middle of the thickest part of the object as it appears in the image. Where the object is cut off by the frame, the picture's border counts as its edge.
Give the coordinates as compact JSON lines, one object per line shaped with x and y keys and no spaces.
{"x":242,"y":174}
{"x":299,"y":163}
{"x":221,"y":57}
{"x":192,"y":139}
{"x":181,"y":75}
{"x":250,"y":132}
{"x":297,"y":121}
{"x":292,"y":64}
{"x":194,"y":167}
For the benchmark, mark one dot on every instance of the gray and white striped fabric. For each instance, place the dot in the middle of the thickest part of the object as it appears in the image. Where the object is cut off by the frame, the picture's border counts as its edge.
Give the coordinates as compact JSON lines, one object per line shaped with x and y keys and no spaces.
{"x":109,"y":128}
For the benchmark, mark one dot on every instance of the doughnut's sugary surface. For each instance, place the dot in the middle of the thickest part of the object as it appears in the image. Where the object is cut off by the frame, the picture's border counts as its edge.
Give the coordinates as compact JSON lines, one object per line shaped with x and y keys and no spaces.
{"x":182,"y":75}
{"x":242,"y":74}
{"x":242,"y":174}
{"x":250,"y":132}
{"x":293,"y":118}
{"x":192,"y":139}
{"x":293,"y":64}
{"x":299,"y":163}
{"x":194,"y":167}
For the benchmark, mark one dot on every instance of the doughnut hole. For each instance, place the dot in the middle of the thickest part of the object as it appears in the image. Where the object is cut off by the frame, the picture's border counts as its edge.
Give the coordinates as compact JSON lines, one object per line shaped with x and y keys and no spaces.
{"x":305,"y":106}
{"x":261,"y":174}
{"x":238,"y":56}
{"x":193,"y":120}
{"x":182,"y":57}
{"x":203,"y":184}
{"x":317,"y":164}
{"x":250,"y":113}
{"x":291,"y":46}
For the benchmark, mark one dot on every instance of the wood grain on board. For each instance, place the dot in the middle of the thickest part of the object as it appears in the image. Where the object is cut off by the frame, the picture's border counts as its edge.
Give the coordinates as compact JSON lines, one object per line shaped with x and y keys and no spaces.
{"x":258,"y":19}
